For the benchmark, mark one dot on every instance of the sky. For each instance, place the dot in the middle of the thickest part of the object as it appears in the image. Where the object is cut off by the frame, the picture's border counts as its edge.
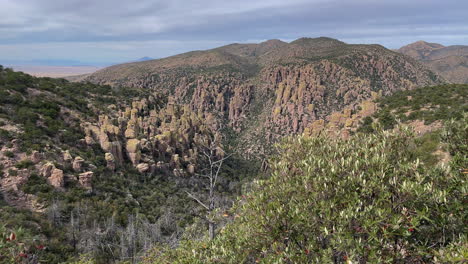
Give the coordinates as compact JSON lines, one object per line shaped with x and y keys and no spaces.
{"x":103,"y":32}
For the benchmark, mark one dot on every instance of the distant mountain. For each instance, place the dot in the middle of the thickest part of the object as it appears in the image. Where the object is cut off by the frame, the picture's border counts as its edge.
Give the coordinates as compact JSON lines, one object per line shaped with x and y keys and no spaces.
{"x":145,"y":59}
{"x":267,"y":90}
{"x":450,"y":62}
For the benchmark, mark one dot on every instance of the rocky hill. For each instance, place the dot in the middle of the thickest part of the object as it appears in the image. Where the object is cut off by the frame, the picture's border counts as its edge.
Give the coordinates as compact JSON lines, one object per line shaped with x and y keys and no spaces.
{"x":105,"y":170}
{"x":77,"y":155}
{"x":450,"y":62}
{"x":385,"y":195}
{"x":259,"y":92}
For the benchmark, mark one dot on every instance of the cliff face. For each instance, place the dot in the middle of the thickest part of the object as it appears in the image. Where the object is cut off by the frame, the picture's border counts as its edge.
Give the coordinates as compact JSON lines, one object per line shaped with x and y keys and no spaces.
{"x":450,"y":62}
{"x":267,"y":90}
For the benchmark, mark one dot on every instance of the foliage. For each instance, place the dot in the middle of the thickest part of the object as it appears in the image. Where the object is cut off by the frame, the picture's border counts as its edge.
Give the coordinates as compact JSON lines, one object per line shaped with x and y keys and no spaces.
{"x":425,"y":147}
{"x":9,"y":154}
{"x":24,"y":164}
{"x":35,"y":239}
{"x":442,"y":102}
{"x":365,"y":200}
{"x":455,"y":135}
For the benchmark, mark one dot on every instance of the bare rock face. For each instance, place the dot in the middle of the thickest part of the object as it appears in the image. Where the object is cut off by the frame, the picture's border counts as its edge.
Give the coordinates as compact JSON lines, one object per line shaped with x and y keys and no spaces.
{"x":56,"y":178}
{"x":53,"y":175}
{"x":36,"y":156}
{"x":110,"y":161}
{"x":67,"y":157}
{"x":191,"y":169}
{"x":143,"y":167}
{"x":46,"y":169}
{"x":78,"y":164}
{"x":89,"y":140}
{"x":342,"y":123}
{"x":141,"y":134}
{"x":115,"y":148}
{"x":85,"y":179}
{"x":133,"y":151}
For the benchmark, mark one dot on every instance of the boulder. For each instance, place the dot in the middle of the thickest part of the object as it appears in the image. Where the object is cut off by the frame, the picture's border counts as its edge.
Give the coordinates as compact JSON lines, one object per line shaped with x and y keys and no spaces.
{"x":133,"y":150}
{"x":110,"y":161}
{"x":78,"y":164}
{"x":115,"y":148}
{"x":89,"y":140}
{"x":85,"y":179}
{"x":191,"y":169}
{"x":67,"y":157}
{"x":130,"y":133}
{"x":175,"y":161}
{"x":143,"y":167}
{"x":56,"y":178}
{"x":46,"y":169}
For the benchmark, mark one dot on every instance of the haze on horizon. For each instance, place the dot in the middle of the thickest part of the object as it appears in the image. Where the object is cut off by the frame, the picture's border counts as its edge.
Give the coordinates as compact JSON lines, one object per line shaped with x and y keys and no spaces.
{"x":88,"y":32}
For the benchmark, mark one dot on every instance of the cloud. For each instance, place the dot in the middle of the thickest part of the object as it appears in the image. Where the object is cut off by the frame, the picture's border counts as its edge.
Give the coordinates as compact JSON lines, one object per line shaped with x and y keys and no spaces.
{"x":133,"y":24}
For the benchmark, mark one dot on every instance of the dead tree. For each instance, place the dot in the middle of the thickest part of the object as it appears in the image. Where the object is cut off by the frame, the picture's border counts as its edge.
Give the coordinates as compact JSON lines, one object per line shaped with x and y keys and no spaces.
{"x":214,"y":156}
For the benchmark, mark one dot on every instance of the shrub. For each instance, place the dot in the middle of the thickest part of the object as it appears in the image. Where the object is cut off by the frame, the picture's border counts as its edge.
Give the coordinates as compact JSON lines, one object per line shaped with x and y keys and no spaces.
{"x":24,"y":164}
{"x":387,"y":120}
{"x":366,"y":125}
{"x":9,"y":154}
{"x":455,"y":135}
{"x":12,"y":172}
{"x":365,"y":200}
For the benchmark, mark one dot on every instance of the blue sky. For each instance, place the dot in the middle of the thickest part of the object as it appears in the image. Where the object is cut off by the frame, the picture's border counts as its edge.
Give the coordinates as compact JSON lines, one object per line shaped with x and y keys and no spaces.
{"x":100,"y":32}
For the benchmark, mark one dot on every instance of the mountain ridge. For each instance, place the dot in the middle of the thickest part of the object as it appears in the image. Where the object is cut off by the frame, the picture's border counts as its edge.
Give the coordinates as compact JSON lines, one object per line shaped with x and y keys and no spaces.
{"x":451,"y":62}
{"x":267,"y":90}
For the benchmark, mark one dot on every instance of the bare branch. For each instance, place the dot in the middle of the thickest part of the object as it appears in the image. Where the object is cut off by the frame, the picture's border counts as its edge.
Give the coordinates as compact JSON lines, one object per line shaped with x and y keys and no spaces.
{"x":203,"y":175}
{"x":198,"y":200}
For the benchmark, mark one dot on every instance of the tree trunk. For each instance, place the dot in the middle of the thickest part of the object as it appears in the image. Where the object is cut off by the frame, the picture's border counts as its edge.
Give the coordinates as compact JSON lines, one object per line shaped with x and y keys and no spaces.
{"x":211,"y":229}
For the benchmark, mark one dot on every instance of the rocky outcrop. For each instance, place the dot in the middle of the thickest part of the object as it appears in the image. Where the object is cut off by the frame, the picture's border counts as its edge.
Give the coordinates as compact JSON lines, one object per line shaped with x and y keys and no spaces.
{"x":258,"y":93}
{"x":151,"y":139}
{"x":133,"y":150}
{"x":85,"y":179}
{"x":342,"y":123}
{"x":36,"y":156}
{"x":143,"y":167}
{"x":78,"y":164}
{"x":53,"y":175}
{"x":67,"y":157}
{"x":46,"y":169}
{"x":110,"y":161}
{"x":56,"y":178}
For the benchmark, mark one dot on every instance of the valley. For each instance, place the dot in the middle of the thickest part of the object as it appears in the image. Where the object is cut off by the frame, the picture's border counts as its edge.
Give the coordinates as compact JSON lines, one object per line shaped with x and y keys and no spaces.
{"x":328,"y":151}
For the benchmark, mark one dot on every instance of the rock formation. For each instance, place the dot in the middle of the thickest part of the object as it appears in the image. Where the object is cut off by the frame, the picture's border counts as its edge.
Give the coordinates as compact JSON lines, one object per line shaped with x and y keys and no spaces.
{"x":260,"y":91}
{"x":53,"y":175}
{"x":85,"y":179}
{"x":78,"y":164}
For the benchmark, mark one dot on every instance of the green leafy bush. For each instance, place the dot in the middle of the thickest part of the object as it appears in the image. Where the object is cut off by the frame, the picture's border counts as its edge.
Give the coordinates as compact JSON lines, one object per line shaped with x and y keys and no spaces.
{"x":455,"y":135}
{"x":24,"y":164}
{"x":9,"y":154}
{"x":365,"y":200}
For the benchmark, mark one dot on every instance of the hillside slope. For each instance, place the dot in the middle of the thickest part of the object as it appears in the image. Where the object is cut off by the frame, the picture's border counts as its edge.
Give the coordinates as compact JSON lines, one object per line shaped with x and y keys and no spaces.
{"x":389,"y":191}
{"x":82,"y":166}
{"x":75,"y":157}
{"x":450,"y":62}
{"x":260,"y":92}
{"x":367,"y":199}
